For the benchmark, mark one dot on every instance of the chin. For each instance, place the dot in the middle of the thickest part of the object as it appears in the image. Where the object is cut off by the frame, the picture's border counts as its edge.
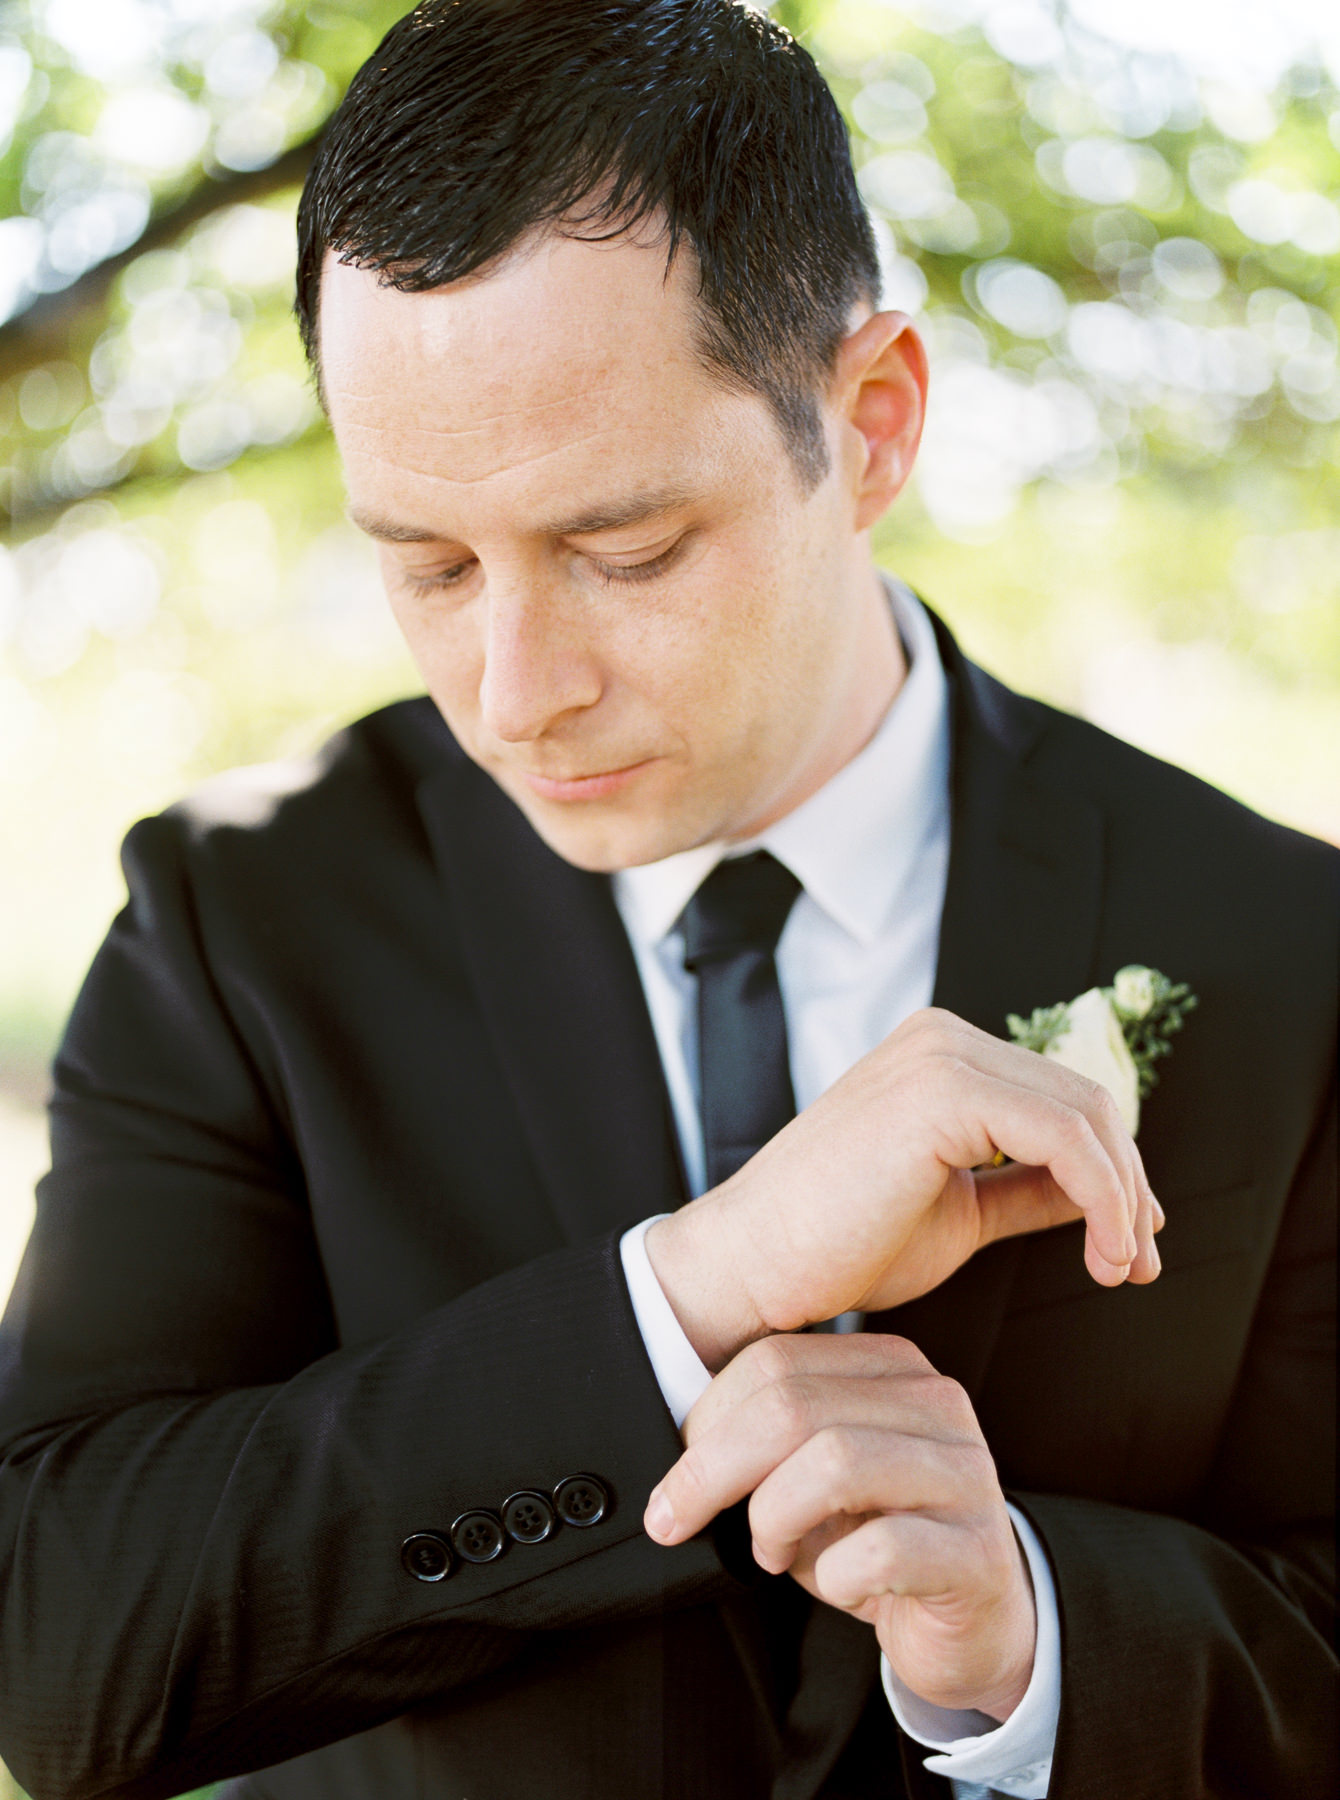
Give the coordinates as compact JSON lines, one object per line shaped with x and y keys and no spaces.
{"x":602,"y":844}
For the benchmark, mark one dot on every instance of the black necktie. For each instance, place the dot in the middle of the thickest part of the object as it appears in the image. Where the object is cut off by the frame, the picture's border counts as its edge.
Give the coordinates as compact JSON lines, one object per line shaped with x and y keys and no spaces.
{"x":731,"y":927}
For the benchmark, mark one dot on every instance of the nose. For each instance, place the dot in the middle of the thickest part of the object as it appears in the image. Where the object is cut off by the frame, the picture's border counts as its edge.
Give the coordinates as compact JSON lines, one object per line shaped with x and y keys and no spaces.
{"x":538,"y":668}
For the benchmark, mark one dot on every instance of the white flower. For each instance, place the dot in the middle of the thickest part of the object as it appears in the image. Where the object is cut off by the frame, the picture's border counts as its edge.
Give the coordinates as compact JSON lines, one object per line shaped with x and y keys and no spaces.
{"x":1091,"y":1043}
{"x":1133,"y":991}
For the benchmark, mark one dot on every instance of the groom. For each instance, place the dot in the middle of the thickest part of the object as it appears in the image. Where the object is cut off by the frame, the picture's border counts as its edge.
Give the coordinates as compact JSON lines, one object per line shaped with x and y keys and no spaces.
{"x":405,"y":1391}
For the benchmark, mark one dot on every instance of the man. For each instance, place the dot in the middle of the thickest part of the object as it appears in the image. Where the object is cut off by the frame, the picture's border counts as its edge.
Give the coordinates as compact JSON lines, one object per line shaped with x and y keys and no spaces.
{"x":364,"y":1302}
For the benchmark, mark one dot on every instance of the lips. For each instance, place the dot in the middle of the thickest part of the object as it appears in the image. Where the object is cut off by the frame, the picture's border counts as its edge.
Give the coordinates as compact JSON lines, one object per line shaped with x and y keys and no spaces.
{"x":585,"y":787}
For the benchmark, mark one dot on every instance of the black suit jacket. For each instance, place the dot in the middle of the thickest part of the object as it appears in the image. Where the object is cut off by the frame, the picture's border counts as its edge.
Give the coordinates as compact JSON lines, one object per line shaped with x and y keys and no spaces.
{"x":355,"y":1103}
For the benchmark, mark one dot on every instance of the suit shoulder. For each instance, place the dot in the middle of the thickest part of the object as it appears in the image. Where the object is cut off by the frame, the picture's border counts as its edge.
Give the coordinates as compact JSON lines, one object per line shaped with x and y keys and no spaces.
{"x":366,"y":771}
{"x":301,"y":822}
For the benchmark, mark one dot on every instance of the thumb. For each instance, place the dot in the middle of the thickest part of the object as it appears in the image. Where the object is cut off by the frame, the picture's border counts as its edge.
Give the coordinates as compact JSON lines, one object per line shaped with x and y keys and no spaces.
{"x":1019,"y":1198}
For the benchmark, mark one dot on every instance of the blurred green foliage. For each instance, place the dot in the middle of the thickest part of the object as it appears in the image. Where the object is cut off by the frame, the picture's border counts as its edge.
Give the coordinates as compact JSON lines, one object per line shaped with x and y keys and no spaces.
{"x":1125,"y":268}
{"x":1123,"y":258}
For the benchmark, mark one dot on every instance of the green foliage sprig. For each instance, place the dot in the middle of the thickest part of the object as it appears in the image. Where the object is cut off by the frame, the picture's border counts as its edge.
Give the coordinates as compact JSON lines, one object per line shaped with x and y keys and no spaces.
{"x":1042,"y":1026}
{"x":1148,"y":1006}
{"x":1148,"y":1028}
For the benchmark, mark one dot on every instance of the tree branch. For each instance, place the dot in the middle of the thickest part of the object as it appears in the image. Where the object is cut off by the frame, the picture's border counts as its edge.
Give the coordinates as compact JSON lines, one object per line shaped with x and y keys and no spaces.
{"x":28,"y":521}
{"x":42,"y":330}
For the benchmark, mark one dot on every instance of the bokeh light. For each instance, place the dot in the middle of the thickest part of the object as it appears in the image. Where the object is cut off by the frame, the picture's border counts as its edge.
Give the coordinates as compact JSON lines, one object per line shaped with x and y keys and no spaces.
{"x":1116,"y":222}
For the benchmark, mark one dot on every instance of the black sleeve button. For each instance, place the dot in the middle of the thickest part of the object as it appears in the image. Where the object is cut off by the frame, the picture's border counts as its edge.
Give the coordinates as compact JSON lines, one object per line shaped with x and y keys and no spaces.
{"x":581,"y":1500}
{"x":477,"y":1537}
{"x":528,"y":1517}
{"x":426,"y":1556}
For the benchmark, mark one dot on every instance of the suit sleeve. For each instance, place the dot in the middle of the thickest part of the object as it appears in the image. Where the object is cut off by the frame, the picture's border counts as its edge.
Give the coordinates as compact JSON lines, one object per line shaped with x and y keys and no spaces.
{"x":1198,"y":1657}
{"x":202,"y":1498}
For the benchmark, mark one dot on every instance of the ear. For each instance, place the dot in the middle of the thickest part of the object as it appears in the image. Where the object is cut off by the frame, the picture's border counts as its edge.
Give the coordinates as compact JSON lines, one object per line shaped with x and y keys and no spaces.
{"x":879,"y":394}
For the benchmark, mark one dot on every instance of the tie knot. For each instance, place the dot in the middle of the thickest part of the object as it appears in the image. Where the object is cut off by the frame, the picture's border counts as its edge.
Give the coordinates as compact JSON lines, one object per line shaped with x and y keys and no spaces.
{"x":742,"y":905}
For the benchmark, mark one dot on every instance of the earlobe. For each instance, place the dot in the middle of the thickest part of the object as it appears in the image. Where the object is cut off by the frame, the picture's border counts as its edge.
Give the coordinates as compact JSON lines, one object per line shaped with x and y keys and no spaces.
{"x":880,"y":385}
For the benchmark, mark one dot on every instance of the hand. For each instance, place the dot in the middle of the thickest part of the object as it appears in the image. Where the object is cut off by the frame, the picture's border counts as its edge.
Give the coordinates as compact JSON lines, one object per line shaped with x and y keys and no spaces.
{"x":876,"y":1193}
{"x":873,"y":1486}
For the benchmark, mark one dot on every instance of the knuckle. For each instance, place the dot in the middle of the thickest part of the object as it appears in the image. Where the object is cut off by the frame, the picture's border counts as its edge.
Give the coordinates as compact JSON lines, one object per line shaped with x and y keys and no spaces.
{"x":901,"y":1354}
{"x":790,"y":1408}
{"x":1105,"y":1107}
{"x":772,"y":1358}
{"x":977,"y":1466}
{"x":838,"y":1457}
{"x":1074,"y":1129}
{"x":951,"y":1399}
{"x":935,"y":1031}
{"x":923,"y":1020}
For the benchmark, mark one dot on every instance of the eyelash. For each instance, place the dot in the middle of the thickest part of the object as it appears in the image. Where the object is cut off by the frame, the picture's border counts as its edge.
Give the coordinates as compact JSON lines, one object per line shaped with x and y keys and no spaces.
{"x":608,"y":574}
{"x":612,"y":576}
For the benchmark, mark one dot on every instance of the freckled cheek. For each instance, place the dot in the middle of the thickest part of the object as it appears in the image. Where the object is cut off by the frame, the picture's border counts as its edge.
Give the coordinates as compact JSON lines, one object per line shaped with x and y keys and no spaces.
{"x":447,"y":651}
{"x":703,"y":687}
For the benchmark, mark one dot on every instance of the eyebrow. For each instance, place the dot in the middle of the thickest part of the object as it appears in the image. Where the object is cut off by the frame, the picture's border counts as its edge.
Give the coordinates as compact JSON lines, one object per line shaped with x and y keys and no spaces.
{"x":606,"y":516}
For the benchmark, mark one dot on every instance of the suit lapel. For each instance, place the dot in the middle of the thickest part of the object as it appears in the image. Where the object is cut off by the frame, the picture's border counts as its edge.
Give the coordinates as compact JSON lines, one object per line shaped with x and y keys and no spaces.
{"x":1018,"y":930}
{"x":558,"y":987}
{"x":1024,"y":889}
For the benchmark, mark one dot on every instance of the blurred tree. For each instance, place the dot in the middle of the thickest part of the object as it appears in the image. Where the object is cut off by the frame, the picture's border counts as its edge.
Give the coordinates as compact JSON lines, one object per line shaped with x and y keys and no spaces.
{"x":1122,"y":248}
{"x":1117,"y":225}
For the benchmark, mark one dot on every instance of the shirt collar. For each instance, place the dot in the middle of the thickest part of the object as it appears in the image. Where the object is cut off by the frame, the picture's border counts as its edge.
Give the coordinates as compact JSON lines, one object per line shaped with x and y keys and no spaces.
{"x":853,"y":844}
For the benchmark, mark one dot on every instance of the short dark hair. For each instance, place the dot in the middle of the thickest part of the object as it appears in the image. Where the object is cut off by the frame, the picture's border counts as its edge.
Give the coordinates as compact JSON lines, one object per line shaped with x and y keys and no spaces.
{"x":477,"y":120}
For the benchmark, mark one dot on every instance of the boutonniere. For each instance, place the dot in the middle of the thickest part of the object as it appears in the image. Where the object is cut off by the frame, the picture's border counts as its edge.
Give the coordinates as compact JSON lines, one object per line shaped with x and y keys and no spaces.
{"x":1114,"y":1035}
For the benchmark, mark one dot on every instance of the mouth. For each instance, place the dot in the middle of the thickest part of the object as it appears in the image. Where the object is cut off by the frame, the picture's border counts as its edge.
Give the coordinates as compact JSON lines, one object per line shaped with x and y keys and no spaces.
{"x":585,"y":787}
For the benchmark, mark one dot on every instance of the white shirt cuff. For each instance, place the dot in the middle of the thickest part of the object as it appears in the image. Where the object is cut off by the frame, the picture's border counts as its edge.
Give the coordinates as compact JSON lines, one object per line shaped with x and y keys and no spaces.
{"x":1014,"y":1758}
{"x":674,"y":1362}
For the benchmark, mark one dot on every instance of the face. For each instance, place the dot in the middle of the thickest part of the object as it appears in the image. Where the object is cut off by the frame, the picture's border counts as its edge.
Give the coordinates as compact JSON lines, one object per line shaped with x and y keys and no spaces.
{"x":625,"y":604}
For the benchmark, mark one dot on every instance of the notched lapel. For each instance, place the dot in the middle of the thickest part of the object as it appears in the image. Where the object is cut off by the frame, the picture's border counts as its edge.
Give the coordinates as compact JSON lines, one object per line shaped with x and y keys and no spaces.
{"x":1018,"y":930}
{"x":1024,"y":891}
{"x":558,"y":987}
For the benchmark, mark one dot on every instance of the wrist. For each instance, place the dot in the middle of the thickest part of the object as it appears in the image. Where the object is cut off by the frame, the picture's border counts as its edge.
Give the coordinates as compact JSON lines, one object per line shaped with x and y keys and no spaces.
{"x":700,"y":1272}
{"x":1005,"y":1699}
{"x":1006,"y":1694}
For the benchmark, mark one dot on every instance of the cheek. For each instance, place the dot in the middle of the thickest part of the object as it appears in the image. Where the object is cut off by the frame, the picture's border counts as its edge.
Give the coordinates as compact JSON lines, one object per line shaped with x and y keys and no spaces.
{"x":443,"y":639}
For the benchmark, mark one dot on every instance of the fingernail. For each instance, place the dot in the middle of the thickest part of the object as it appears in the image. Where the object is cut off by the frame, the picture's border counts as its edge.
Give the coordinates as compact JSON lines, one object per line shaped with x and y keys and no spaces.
{"x":1155,"y":1257}
{"x":660,"y":1515}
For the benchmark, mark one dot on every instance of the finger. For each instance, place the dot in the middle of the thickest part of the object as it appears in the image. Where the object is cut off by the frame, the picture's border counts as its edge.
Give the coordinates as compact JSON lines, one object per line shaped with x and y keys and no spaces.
{"x":1035,"y":1127}
{"x":859,"y":1354}
{"x":1148,"y":1263}
{"x":732,"y":1457}
{"x":1045,"y":1075}
{"x":897,"y":1553}
{"x":1020,"y":1198}
{"x":1103,"y":1113}
{"x":857,"y":1469}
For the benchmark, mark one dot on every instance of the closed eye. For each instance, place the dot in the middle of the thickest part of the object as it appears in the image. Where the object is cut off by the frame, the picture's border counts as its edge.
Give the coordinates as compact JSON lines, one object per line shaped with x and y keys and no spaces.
{"x":615,"y":573}
{"x":608,"y":574}
{"x":440,"y":578}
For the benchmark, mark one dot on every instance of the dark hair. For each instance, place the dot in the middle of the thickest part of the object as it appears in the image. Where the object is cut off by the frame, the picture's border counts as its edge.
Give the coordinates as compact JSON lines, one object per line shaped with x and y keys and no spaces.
{"x":477,"y":120}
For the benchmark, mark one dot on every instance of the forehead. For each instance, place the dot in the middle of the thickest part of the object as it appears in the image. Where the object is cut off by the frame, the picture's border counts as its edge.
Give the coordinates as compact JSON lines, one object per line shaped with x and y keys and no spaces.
{"x":568,"y":354}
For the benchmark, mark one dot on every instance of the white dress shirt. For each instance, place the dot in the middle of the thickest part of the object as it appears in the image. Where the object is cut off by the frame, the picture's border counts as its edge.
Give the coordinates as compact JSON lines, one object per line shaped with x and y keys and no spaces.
{"x":857,"y":956}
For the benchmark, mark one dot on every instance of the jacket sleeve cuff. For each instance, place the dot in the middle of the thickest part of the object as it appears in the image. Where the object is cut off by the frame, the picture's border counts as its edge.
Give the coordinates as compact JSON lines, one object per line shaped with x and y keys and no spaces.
{"x":679,"y":1372}
{"x":1014,"y":1758}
